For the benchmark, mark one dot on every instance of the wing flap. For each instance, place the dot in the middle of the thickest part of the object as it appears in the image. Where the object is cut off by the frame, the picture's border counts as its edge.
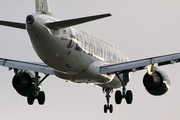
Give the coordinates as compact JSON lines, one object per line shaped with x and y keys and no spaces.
{"x":167,"y":59}
{"x":141,"y":64}
{"x":124,"y":66}
{"x":37,"y":67}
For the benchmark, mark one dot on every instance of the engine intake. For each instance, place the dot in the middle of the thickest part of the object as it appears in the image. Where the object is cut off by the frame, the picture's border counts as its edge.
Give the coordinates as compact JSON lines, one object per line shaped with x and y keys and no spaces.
{"x":156,"y":84}
{"x":22,"y":82}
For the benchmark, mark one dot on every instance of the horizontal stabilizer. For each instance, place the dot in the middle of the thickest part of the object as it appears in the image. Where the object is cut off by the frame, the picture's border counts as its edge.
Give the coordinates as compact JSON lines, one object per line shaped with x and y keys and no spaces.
{"x":72,"y":22}
{"x":13,"y":24}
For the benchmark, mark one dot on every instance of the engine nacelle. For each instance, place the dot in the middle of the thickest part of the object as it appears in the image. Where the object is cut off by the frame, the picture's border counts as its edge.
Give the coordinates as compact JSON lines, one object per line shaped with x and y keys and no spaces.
{"x":156,"y":84}
{"x":23,"y":82}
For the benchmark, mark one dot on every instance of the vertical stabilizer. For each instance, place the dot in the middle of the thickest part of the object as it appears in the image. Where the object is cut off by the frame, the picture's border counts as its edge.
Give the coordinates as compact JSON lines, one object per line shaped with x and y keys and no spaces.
{"x":42,"y":6}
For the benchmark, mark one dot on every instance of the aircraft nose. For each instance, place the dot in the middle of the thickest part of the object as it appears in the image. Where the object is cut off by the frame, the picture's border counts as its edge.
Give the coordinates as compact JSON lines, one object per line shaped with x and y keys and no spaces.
{"x":30,"y":19}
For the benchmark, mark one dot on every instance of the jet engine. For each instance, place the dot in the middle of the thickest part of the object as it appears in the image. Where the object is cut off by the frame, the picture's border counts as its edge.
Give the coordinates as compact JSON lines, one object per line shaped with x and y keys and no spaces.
{"x":157,"y":83}
{"x":23,"y":82}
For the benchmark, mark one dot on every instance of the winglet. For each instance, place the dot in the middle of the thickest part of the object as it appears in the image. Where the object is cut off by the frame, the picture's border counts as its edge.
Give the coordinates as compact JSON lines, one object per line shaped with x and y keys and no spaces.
{"x":72,"y":22}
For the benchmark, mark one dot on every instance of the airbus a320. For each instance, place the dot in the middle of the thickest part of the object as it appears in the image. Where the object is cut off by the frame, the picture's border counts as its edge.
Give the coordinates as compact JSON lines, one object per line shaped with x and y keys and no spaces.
{"x":78,"y":57}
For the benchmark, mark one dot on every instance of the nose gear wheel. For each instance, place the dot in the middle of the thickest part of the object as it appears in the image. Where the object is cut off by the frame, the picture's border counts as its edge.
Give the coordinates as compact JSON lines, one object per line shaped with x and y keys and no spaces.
{"x":108,"y":106}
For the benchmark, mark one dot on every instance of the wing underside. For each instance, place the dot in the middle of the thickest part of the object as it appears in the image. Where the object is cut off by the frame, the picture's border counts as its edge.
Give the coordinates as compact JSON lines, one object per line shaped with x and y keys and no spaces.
{"x":20,"y":65}
{"x":141,"y":64}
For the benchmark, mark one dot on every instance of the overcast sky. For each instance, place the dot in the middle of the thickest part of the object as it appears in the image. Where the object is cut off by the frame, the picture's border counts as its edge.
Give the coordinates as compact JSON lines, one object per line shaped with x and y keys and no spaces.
{"x":142,"y":28}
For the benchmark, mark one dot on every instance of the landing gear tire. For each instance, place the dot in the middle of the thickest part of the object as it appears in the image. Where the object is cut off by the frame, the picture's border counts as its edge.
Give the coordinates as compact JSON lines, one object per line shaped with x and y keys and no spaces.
{"x":41,"y":98}
{"x":129,"y":97}
{"x":110,"y":108}
{"x":105,"y":108}
{"x":118,"y":97}
{"x":30,"y":98}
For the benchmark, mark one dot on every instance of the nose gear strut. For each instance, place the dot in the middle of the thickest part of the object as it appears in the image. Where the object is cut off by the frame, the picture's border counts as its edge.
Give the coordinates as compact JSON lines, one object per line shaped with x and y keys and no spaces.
{"x":108,"y":106}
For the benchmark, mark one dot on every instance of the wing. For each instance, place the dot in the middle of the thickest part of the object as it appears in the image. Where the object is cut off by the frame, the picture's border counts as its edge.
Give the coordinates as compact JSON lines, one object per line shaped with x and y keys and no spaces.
{"x":141,"y":64}
{"x":37,"y":67}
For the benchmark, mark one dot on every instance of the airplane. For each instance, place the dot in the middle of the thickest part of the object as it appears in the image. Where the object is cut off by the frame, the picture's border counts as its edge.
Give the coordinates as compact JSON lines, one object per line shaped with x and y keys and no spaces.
{"x":78,"y":57}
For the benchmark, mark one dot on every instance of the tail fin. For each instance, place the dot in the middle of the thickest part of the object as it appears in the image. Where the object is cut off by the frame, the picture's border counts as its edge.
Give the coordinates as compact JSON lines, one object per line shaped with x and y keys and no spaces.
{"x":42,"y":6}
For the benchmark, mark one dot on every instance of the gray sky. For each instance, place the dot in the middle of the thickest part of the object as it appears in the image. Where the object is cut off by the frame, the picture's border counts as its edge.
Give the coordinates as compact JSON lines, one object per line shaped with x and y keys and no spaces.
{"x":142,"y":28}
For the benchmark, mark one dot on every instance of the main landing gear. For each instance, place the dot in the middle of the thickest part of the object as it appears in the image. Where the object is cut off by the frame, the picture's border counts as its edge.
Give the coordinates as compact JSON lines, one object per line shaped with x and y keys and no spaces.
{"x":128,"y":96}
{"x":32,"y":96}
{"x":36,"y":93}
{"x":125,"y":94}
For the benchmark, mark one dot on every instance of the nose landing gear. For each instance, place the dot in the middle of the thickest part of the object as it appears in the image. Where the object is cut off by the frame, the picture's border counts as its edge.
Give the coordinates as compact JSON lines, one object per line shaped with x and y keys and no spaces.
{"x":108,"y":106}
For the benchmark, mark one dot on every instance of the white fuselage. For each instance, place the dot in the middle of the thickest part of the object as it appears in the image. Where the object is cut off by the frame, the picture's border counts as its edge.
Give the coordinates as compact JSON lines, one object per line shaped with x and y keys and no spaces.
{"x":73,"y":54}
